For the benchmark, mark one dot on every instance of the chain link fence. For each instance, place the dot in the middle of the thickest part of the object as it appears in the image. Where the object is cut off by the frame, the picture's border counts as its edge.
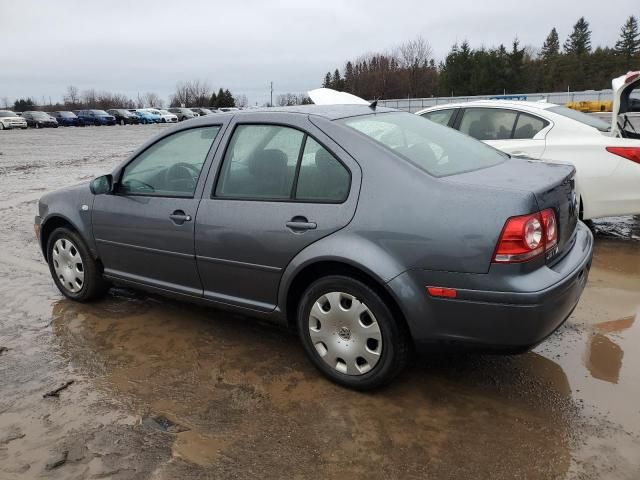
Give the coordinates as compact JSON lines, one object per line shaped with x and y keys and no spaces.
{"x":561,"y":98}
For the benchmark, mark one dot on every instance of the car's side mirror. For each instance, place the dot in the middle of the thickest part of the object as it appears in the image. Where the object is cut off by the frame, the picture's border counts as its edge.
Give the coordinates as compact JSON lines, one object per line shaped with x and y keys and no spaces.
{"x":101,"y":185}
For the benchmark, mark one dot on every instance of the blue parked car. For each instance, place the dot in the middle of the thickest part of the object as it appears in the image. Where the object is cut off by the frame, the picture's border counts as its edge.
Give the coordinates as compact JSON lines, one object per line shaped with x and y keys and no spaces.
{"x":66,"y":119}
{"x":95,"y":117}
{"x":146,"y":116}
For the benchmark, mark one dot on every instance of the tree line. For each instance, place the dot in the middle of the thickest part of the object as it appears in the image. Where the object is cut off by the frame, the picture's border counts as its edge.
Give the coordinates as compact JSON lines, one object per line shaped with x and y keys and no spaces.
{"x":410,"y":69}
{"x":193,"y":93}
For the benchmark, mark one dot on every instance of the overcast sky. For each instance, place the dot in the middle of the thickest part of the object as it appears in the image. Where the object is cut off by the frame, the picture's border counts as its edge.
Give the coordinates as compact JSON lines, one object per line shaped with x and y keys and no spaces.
{"x":131,"y":46}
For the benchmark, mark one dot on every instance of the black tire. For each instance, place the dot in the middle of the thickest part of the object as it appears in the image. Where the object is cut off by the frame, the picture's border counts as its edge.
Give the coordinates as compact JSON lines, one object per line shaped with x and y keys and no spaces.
{"x":37,"y":125}
{"x":122,"y":122}
{"x":396,"y":343}
{"x":94,"y":285}
{"x":1,"y":126}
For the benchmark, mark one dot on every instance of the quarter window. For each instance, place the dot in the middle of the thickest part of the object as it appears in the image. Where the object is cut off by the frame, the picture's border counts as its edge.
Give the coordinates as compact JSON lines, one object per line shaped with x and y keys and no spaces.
{"x":443,"y":117}
{"x":170,"y":167}
{"x":528,"y":126}
{"x":488,"y":123}
{"x":321,"y":177}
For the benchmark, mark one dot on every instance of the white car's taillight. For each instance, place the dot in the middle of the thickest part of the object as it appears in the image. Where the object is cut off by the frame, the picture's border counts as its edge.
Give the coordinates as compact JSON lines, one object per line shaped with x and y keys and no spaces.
{"x":630,"y":153}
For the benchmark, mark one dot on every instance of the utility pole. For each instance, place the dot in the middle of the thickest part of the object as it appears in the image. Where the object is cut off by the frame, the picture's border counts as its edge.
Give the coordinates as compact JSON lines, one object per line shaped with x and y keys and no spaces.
{"x":271,"y":101}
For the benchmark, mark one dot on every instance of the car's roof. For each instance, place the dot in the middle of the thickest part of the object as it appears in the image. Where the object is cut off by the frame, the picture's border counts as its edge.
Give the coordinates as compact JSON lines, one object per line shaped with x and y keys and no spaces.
{"x":331,"y":112}
{"x":496,"y":103}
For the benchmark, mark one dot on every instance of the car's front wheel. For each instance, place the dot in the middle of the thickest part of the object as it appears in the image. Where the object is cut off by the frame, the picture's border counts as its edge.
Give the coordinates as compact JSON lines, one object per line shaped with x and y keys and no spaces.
{"x":350,"y":333}
{"x":75,"y":272}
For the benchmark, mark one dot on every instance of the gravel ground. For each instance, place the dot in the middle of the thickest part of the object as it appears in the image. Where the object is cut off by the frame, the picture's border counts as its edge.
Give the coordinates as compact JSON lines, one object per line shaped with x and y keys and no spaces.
{"x":164,"y":390}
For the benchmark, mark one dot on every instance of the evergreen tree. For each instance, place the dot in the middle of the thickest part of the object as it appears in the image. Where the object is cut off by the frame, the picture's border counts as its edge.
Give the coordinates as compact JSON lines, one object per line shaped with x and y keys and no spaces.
{"x":348,"y":77}
{"x":213,"y":101}
{"x":629,"y":43}
{"x":23,"y":105}
{"x":336,"y":81}
{"x":551,"y":46}
{"x":327,"y":80}
{"x":579,"y":42}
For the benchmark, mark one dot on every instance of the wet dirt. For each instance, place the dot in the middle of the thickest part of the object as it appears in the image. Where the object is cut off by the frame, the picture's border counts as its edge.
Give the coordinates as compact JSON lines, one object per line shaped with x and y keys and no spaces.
{"x":167,"y":390}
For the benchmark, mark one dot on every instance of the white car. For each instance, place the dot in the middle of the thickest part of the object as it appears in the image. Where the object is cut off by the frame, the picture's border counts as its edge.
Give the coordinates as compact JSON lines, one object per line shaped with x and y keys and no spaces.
{"x":165,"y":115}
{"x":9,"y":119}
{"x":606,"y":157}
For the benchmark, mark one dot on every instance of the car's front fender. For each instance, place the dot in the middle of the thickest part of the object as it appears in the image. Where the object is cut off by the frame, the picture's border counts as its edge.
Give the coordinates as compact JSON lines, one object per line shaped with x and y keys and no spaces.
{"x":72,"y":205}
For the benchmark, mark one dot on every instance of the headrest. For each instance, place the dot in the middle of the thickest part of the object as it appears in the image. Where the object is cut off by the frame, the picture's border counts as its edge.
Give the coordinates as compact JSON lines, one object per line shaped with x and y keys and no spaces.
{"x":268,"y":163}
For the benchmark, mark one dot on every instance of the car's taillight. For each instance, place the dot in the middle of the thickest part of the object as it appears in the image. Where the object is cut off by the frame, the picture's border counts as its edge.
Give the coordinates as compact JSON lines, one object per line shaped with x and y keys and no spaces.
{"x":527,"y":236}
{"x":630,"y":153}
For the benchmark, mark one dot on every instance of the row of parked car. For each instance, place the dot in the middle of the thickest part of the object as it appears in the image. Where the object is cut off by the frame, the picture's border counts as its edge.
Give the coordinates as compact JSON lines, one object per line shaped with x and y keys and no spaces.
{"x":121,"y":116}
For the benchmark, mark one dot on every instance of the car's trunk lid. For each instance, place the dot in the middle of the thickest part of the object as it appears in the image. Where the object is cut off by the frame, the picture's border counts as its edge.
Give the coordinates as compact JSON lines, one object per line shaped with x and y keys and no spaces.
{"x":551,"y":184}
{"x":626,"y":105}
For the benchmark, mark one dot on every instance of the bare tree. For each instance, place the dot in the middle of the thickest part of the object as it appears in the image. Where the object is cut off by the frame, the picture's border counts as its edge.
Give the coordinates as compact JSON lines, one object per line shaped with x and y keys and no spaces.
{"x":241,"y":100}
{"x":89,"y":97}
{"x":193,"y":93}
{"x":153,"y":100}
{"x":5,"y":102}
{"x":72,"y":97}
{"x":416,"y":52}
{"x":290,"y":99}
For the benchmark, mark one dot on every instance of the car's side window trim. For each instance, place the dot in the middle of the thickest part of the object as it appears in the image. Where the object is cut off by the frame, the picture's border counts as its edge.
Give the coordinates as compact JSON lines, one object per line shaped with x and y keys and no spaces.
{"x":294,"y":186}
{"x":292,"y":198}
{"x":200,"y":176}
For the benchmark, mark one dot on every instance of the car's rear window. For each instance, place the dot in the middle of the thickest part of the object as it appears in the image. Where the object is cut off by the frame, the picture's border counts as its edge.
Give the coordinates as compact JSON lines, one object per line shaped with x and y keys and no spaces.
{"x":581,"y":117}
{"x":438,"y":150}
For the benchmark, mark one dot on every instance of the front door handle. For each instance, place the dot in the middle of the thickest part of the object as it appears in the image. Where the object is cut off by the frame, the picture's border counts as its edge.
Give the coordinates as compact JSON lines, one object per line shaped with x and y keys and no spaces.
{"x":179,"y":217}
{"x":300,"y":224}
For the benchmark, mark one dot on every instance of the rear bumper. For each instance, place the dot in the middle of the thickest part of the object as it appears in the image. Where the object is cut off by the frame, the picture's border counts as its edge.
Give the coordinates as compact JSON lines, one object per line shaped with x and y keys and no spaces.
{"x":504,"y":309}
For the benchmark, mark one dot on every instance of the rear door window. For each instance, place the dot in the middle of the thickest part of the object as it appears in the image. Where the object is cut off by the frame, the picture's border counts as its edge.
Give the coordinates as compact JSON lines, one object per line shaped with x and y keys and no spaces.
{"x":488,"y":123}
{"x":260,"y":162}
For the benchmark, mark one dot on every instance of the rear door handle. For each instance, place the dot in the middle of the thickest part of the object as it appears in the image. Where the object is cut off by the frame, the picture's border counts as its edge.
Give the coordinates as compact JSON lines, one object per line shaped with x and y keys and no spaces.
{"x":300,"y":224}
{"x":179,"y":217}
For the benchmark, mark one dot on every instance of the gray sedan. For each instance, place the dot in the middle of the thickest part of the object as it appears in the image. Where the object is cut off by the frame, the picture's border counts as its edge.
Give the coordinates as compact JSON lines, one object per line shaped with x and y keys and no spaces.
{"x":372,"y":232}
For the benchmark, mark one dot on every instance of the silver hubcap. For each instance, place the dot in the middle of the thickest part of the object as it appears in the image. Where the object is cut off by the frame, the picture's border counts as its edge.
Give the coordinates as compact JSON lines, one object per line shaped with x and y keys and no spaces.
{"x":68,"y":265}
{"x":345,"y":333}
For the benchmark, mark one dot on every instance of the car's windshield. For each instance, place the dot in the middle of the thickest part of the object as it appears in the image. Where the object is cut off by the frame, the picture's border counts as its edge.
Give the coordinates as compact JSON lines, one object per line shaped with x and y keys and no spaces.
{"x":581,"y":117}
{"x":438,"y":150}
{"x":67,"y":114}
{"x":40,"y":115}
{"x":206,"y":111}
{"x":99,"y":112}
{"x":7,"y":113}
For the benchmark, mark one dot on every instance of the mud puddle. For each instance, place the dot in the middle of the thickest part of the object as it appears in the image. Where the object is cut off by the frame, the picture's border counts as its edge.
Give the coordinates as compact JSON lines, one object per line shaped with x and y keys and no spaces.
{"x":166,"y":390}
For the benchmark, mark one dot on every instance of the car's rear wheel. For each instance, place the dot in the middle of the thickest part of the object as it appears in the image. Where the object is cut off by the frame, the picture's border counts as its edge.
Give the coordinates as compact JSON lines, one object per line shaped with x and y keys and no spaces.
{"x":350,"y":333}
{"x":122,"y":122}
{"x":37,"y":125}
{"x":74,"y":270}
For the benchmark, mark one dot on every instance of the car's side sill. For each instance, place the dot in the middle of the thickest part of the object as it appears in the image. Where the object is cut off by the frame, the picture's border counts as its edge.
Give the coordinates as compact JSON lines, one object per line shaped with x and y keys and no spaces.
{"x":259,"y":310}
